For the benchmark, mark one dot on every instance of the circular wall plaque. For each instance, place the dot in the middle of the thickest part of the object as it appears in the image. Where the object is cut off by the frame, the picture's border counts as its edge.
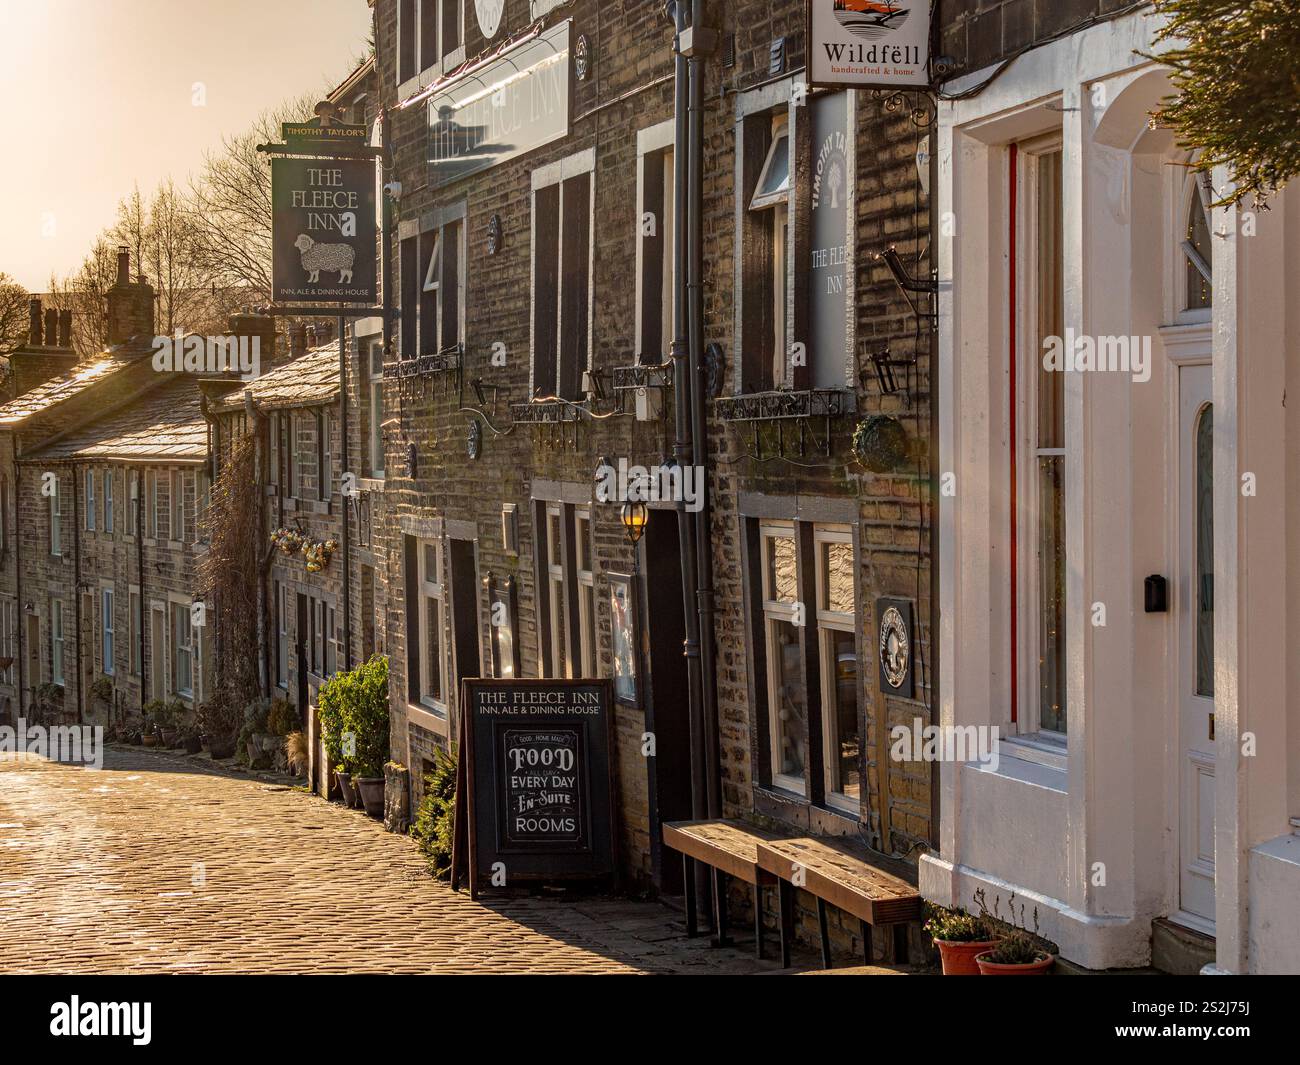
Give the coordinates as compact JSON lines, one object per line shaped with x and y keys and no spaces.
{"x":489,"y":16}
{"x":474,"y":439}
{"x":893,"y":645}
{"x":494,"y":234}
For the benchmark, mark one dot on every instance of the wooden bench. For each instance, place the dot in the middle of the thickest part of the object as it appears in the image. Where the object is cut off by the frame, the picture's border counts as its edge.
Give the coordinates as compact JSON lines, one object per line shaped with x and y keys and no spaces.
{"x":874,"y":888}
{"x":730,"y":848}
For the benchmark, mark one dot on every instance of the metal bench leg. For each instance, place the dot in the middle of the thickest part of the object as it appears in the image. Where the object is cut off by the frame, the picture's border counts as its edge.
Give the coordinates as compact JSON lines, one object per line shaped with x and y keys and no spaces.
{"x":866,"y":941}
{"x":900,"y":944}
{"x":720,"y":937}
{"x":825,"y":934}
{"x":758,"y":920}
{"x":785,"y":904}
{"x":688,"y":881}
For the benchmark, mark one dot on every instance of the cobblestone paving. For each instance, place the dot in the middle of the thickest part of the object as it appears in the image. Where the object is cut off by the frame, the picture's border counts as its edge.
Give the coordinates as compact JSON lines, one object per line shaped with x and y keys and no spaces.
{"x":153,"y":864}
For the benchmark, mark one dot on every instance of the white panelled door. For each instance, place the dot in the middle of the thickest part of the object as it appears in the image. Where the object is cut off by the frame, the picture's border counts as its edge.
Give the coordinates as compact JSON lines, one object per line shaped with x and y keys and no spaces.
{"x":1194,"y":600}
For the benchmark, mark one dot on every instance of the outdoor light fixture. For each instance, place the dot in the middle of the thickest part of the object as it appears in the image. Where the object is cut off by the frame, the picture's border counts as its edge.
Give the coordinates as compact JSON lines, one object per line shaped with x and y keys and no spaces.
{"x":634,"y":516}
{"x":909,"y":284}
{"x":477,"y":385}
{"x":591,"y":384}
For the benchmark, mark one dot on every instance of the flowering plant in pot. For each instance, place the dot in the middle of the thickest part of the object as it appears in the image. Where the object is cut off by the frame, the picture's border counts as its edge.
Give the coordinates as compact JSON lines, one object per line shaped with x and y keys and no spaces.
{"x":1017,"y":953}
{"x":960,"y":936}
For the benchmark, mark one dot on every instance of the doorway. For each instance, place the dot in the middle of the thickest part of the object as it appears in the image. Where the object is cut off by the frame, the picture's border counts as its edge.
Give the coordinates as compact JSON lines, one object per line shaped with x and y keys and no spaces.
{"x":33,"y":656}
{"x":157,"y":652}
{"x":1195,"y":687}
{"x":667,"y":710}
{"x":300,"y":652}
{"x":464,"y":610}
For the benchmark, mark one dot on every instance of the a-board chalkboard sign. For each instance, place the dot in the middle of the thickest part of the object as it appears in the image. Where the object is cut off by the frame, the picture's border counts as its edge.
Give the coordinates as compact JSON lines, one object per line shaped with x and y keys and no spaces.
{"x":534,"y":792}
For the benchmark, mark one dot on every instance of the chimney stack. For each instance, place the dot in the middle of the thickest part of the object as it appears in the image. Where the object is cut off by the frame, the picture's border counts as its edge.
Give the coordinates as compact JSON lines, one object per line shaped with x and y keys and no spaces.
{"x":34,"y":322}
{"x":65,"y":329}
{"x":130,"y":304}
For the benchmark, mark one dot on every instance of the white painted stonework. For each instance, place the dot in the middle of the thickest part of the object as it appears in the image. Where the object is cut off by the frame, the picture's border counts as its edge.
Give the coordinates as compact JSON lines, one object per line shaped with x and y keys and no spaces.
{"x":1094,"y":832}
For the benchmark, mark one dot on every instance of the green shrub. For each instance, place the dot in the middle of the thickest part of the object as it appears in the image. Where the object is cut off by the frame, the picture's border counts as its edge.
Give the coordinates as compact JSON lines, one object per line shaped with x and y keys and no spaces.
{"x":434,"y":822}
{"x":282,"y":718}
{"x":1015,"y":949}
{"x":357,"y":702}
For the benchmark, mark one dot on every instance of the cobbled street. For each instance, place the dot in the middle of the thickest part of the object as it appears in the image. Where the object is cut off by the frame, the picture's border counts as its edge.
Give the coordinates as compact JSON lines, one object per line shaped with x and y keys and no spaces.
{"x":156,"y":864}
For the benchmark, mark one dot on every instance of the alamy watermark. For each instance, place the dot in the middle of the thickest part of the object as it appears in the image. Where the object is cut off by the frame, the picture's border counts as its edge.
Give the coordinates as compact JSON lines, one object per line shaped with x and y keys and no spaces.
{"x":668,"y":483}
{"x":180,"y":353}
{"x":74,"y":744}
{"x":1085,"y":353}
{"x":945,"y":743}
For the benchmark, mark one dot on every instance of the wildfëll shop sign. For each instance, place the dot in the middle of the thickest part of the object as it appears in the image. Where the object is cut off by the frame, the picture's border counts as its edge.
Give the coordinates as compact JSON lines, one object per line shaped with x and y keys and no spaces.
{"x":534,"y":790}
{"x":868,"y":42}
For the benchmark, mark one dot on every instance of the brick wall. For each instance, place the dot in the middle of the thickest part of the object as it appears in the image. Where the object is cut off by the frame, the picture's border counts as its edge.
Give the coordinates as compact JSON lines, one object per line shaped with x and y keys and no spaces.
{"x":631,"y":51}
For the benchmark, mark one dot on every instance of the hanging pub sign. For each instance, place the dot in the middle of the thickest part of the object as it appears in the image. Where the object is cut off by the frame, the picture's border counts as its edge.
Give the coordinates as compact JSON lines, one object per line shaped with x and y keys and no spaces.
{"x":534,"y":787}
{"x":864,"y":43}
{"x":323,"y":230}
{"x":511,"y":105}
{"x":831,"y":224}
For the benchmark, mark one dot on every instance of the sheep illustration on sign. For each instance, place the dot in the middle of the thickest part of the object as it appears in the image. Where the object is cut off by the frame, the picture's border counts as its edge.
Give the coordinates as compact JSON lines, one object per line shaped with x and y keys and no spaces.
{"x":323,"y":230}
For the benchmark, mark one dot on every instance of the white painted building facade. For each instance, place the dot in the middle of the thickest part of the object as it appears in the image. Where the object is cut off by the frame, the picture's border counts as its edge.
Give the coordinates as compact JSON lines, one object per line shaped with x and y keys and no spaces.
{"x":1118,"y":799}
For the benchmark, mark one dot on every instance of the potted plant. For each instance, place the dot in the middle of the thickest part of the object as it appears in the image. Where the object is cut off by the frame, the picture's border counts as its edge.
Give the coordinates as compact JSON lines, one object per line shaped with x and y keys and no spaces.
{"x":191,"y":739}
{"x":248,"y":742}
{"x":360,"y":698}
{"x":960,"y":936}
{"x":435,"y":819}
{"x":218,"y":720}
{"x":296,"y":752}
{"x":1017,"y":953}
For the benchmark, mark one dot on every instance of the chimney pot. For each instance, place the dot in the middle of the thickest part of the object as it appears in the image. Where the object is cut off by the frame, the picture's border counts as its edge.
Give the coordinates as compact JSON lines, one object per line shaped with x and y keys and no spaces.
{"x":34,"y":322}
{"x":123,"y":266}
{"x":51,"y":328}
{"x":65,"y":329}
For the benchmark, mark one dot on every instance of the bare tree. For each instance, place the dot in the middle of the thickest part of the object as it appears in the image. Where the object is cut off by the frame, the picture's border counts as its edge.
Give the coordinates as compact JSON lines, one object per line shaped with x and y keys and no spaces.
{"x":13,"y":314}
{"x":232,"y":199}
{"x":85,"y":293}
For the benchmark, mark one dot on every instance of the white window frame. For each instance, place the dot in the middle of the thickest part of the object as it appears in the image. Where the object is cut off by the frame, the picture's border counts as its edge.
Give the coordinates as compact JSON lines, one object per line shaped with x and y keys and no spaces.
{"x":151,"y":503}
{"x":109,"y":517}
{"x":560,"y":663}
{"x":133,"y":502}
{"x":4,"y":513}
{"x":432,"y":591}
{"x":582,"y":540}
{"x":829,"y":621}
{"x":557,"y":173}
{"x":656,"y":141}
{"x":1029,"y":355}
{"x":56,"y":519}
{"x":774,"y":611}
{"x":283,"y":645}
{"x":56,"y":642}
{"x":375,"y":400}
{"x":89,"y":498}
{"x":135,"y":607}
{"x":182,"y":647}
{"x":8,"y":642}
{"x":1186,"y":185}
{"x":176,"y":507}
{"x":428,"y":69}
{"x":107,"y":635}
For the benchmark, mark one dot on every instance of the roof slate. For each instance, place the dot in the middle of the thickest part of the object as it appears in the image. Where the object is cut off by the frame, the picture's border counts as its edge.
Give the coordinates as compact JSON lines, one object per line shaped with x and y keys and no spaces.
{"x":310,"y":379}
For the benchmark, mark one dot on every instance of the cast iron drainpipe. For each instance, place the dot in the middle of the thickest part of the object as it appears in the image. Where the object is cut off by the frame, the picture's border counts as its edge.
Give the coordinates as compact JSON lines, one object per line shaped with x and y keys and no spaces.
{"x":76,"y":603}
{"x":145,"y":682}
{"x":703,"y":528}
{"x":683,"y":451}
{"x":343,"y":500}
{"x":20,"y":618}
{"x":256,"y":419}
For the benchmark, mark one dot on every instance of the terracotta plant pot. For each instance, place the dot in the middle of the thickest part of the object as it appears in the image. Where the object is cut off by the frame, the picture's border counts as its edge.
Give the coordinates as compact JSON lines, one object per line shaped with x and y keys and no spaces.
{"x":1033,"y":968}
{"x":149,"y":740}
{"x":193,"y":744}
{"x":171,"y":737}
{"x":345,"y":786}
{"x":372,"y":794}
{"x":958,"y":957}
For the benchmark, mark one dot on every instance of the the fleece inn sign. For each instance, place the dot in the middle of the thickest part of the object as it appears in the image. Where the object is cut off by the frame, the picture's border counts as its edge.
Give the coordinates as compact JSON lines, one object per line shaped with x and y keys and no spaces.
{"x":868,"y":42}
{"x":323,"y":230}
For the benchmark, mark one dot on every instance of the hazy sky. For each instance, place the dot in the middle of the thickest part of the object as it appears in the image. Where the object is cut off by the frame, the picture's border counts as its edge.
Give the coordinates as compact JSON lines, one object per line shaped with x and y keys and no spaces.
{"x":98,"y":98}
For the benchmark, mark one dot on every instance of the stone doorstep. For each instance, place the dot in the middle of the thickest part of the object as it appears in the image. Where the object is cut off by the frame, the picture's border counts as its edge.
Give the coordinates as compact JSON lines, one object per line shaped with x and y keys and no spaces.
{"x":1178,"y":950}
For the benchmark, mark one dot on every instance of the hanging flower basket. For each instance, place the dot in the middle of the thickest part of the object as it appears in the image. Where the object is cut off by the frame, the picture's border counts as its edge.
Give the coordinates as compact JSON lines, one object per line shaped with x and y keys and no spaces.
{"x":318,"y":554}
{"x":290,"y":541}
{"x":880,"y":443}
